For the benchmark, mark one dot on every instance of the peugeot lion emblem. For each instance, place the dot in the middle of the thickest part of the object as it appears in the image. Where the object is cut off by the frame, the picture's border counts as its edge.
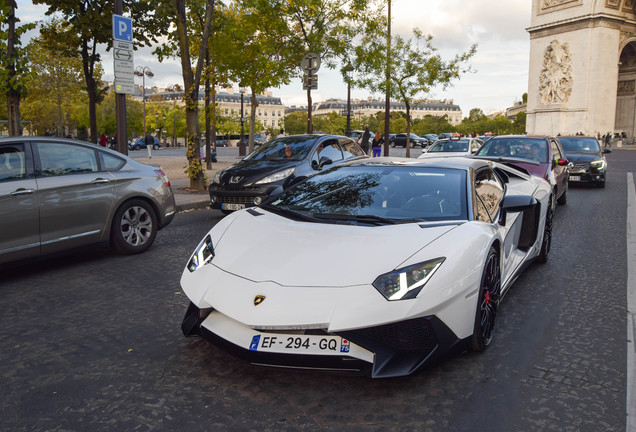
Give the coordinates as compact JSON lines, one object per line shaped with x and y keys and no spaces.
{"x":236,"y":179}
{"x":259,"y":299}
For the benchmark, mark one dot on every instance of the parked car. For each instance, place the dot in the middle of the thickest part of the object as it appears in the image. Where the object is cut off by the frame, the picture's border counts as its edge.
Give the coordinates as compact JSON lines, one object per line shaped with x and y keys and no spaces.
{"x":400,"y":140}
{"x":431,"y":138}
{"x":446,"y":147}
{"x":289,"y":283}
{"x":140,"y":143}
{"x":59,"y":193}
{"x":541,"y":156}
{"x":587,"y":158}
{"x":259,"y":139}
{"x":277,"y":165}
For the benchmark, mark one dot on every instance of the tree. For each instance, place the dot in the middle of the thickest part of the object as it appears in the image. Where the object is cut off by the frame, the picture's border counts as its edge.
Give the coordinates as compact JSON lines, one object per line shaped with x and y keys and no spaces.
{"x":13,"y":63}
{"x":415,"y":68}
{"x":89,"y":23}
{"x":191,"y":82}
{"x":56,"y":85}
{"x":329,"y":28}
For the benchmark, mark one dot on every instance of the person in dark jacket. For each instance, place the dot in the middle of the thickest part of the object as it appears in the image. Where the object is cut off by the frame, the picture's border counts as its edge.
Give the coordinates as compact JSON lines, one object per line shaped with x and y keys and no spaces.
{"x":364,"y":141}
{"x":149,"y":141}
{"x":378,"y":139}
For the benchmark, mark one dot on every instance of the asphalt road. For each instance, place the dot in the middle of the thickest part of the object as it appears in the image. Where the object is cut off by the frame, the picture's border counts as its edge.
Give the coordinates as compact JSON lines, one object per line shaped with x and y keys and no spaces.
{"x":92,"y":341}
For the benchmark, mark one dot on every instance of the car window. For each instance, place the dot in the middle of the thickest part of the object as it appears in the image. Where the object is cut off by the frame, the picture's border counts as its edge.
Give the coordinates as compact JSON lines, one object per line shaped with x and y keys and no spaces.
{"x":489,"y":193}
{"x":556,"y":151}
{"x":62,"y":159}
{"x":401,"y":192}
{"x":580,"y":145}
{"x":517,"y":147}
{"x":331,"y":149}
{"x":12,"y":162}
{"x":350,"y":148}
{"x":110,"y":162}
{"x":275,"y":150}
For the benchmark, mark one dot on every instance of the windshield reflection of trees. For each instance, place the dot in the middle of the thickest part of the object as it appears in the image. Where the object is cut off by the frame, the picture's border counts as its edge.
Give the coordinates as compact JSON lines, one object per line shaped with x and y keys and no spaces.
{"x":275,"y":150}
{"x":342,"y":194}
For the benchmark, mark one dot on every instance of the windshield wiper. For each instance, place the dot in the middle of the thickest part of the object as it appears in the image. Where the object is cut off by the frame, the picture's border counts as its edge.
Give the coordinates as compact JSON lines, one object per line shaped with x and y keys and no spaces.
{"x":363,"y":218}
{"x":288,"y":213}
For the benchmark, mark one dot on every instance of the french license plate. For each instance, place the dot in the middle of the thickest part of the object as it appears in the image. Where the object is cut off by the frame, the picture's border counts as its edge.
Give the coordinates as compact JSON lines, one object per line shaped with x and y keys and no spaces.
{"x":300,"y":344}
{"x":230,"y":206}
{"x":575,"y":178}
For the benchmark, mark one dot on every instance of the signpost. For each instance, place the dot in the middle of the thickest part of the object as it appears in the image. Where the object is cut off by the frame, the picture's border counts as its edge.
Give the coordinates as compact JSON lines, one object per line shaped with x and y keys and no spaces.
{"x":124,"y":72}
{"x":310,"y":64}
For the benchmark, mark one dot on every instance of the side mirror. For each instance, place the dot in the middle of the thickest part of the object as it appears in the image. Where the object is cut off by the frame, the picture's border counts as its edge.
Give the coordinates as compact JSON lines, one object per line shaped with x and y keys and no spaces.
{"x":515,"y":203}
{"x":562,"y":162}
{"x":607,"y":150}
{"x":324,"y":161}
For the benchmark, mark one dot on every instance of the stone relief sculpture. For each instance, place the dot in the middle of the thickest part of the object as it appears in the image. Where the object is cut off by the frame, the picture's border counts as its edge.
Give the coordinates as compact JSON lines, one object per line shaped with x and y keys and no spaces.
{"x":545,"y":4}
{"x":555,"y":80}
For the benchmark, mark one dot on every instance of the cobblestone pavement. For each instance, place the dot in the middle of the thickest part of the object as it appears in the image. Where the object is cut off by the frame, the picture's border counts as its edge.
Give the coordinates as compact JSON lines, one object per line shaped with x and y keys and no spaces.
{"x":92,"y":341}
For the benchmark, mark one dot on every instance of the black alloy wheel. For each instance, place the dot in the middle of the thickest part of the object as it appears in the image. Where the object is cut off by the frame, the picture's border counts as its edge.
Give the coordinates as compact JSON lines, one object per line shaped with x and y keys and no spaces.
{"x":546,"y":243}
{"x":487,"y":302}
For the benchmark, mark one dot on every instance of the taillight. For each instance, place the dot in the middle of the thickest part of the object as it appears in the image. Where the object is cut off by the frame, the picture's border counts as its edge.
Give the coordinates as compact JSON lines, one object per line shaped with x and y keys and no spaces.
{"x":163,"y":176}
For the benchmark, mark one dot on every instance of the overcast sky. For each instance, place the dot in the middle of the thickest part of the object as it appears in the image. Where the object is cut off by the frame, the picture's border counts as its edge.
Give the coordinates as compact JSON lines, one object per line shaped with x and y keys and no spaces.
{"x":498,"y":27}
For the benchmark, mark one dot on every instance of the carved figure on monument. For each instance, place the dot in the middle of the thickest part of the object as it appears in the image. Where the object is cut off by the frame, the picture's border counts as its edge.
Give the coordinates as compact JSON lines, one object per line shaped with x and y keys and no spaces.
{"x":546,"y":4}
{"x":555,"y":80}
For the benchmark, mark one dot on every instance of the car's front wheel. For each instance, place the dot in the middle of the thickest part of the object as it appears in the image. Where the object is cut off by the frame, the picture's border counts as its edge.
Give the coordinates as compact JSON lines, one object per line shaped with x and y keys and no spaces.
{"x":392,"y":144}
{"x":137,"y":147}
{"x":155,"y":146}
{"x":487,"y":302}
{"x":564,"y":196}
{"x":547,"y":237}
{"x":134,"y":227}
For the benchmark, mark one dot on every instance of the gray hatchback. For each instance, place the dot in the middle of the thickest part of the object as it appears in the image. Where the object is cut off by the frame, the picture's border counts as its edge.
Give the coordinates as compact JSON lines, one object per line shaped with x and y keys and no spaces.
{"x":57,"y":194}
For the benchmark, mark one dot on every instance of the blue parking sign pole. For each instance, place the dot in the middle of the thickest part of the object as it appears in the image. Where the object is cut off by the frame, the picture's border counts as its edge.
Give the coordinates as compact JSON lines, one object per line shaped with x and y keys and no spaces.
{"x":122,"y":30}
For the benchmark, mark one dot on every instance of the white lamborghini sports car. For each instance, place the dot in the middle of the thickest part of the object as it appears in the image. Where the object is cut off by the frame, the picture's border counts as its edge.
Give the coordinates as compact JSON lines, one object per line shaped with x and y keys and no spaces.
{"x":376,"y":266}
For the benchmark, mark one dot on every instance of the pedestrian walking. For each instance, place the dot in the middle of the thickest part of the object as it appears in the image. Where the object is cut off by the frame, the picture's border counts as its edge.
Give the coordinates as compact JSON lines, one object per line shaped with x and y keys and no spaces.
{"x":150,"y":141}
{"x":103,"y":140}
{"x":378,"y":139}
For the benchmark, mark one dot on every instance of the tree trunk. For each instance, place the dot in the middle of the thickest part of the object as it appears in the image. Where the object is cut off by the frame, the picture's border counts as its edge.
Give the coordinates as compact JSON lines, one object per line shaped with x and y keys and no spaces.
{"x":91,"y":89}
{"x":191,"y":80}
{"x":13,"y":94}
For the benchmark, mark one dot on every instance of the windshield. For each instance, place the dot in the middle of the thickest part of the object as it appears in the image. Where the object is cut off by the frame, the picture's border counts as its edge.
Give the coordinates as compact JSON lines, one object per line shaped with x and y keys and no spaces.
{"x":287,"y":148}
{"x":378,"y":194}
{"x":516,"y":147}
{"x":449,"y":146}
{"x":580,"y":145}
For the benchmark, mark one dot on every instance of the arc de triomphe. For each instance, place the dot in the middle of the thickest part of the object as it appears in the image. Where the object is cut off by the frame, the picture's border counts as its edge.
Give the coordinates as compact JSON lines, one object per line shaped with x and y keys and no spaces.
{"x":582,"y":75}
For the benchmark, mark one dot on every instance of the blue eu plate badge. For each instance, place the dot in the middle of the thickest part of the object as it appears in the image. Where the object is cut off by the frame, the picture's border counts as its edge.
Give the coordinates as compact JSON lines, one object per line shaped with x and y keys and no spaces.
{"x":255,"y":340}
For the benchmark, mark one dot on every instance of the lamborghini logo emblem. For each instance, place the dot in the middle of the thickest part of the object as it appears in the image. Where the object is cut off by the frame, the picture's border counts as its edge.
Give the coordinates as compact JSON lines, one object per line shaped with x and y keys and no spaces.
{"x":259,"y":299}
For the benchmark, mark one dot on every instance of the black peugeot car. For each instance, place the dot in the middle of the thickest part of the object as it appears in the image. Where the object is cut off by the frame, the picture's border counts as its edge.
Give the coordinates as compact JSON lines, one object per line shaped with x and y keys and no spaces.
{"x":588,"y":159}
{"x":275,"y":166}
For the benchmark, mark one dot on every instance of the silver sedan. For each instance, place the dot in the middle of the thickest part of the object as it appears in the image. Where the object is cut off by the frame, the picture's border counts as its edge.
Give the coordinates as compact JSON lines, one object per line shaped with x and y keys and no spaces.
{"x":57,"y":194}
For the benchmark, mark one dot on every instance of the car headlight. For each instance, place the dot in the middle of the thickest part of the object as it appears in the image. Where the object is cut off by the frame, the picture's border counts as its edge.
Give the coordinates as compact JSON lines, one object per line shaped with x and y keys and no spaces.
{"x":202,"y":255}
{"x":217,"y":177}
{"x":407,"y":282}
{"x":598,"y":164}
{"x":280,"y":175}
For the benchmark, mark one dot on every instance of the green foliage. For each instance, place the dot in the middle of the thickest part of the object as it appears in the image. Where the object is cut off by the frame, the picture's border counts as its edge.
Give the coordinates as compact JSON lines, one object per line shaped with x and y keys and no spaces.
{"x":295,"y":123}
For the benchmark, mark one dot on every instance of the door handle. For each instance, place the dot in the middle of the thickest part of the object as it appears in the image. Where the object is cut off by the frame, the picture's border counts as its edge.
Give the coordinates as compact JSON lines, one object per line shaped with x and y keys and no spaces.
{"x":22,"y":191}
{"x":100,"y":181}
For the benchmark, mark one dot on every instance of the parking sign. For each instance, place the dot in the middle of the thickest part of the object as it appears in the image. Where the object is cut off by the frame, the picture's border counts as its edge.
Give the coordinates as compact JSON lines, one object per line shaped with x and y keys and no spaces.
{"x":122,"y":28}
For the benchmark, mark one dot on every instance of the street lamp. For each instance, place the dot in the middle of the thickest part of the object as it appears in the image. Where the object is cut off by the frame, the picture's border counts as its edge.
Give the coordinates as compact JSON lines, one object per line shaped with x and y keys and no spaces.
{"x":163,"y":125}
{"x":142,"y":71}
{"x":347,"y":69}
{"x":242,"y":143}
